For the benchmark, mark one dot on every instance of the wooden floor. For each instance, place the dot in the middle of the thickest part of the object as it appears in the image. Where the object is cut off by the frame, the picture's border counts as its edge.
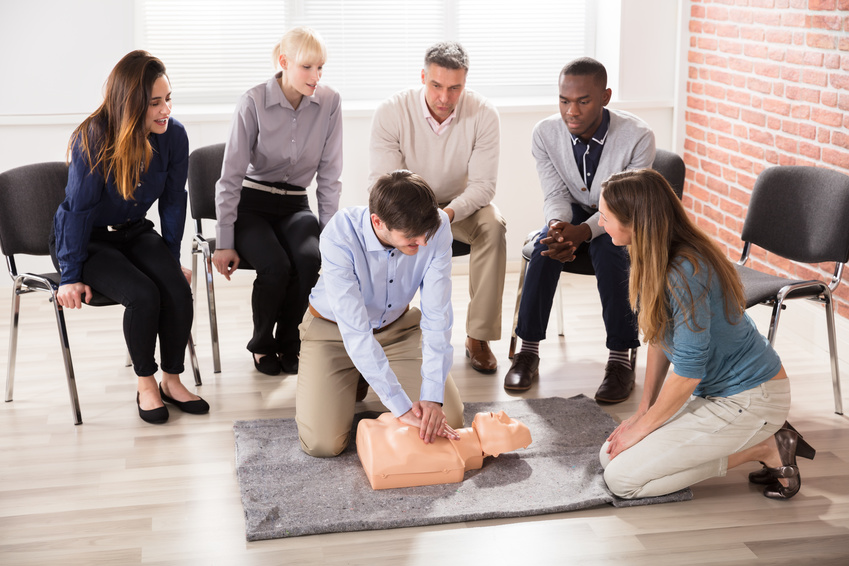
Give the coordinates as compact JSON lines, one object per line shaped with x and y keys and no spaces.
{"x":118,"y":491}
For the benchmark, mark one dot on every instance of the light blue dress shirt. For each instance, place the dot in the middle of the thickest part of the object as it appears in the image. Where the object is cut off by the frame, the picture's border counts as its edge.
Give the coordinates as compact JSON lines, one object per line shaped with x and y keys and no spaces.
{"x":365,"y":286}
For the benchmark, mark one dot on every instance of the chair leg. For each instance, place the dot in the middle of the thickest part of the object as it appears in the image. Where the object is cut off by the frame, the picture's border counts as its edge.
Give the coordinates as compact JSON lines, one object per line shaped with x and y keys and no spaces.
{"x":513,"y":337}
{"x":194,"y":359}
{"x":213,"y":317}
{"x":558,"y":304}
{"x":195,"y":252}
{"x":773,"y":321}
{"x":13,"y":338}
{"x":66,"y":357}
{"x":832,"y":351}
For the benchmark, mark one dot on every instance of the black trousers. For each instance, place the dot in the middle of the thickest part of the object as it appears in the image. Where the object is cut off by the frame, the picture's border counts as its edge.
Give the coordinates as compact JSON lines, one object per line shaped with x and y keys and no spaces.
{"x":135,"y":268}
{"x":278,"y":236}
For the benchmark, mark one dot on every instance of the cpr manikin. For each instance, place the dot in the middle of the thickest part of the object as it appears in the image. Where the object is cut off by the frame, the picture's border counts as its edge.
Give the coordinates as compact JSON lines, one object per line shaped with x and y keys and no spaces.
{"x":393,"y":455}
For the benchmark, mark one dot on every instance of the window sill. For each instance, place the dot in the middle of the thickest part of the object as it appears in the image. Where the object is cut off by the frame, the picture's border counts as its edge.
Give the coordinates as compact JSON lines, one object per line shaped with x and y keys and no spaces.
{"x":353,"y":109}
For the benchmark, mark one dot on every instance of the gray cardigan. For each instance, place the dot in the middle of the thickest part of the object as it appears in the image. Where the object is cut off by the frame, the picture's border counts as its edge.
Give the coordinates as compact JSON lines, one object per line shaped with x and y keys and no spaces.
{"x":629,"y":145}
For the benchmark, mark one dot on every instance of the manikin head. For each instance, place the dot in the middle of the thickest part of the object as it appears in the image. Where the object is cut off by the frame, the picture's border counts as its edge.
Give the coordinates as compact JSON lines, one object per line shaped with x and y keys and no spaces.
{"x":498,"y":433}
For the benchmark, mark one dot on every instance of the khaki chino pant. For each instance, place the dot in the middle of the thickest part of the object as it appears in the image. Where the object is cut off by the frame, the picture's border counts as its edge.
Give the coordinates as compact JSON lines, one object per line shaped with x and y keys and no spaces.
{"x":485,"y":231}
{"x":327,"y":381}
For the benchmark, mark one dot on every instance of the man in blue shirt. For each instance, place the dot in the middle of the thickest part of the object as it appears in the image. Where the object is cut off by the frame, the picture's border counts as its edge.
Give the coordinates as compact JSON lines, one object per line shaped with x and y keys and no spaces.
{"x":575,"y":151}
{"x":373,"y":261}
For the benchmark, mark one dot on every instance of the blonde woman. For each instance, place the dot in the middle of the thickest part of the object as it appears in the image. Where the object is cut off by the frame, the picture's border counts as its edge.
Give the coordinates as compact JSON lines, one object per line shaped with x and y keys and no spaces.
{"x":284,"y":133}
{"x":726,"y":400}
{"x":128,"y":154}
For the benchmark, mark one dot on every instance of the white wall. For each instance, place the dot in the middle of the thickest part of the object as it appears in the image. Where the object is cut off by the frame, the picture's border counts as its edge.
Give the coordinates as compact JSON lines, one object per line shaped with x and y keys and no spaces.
{"x":57,"y":72}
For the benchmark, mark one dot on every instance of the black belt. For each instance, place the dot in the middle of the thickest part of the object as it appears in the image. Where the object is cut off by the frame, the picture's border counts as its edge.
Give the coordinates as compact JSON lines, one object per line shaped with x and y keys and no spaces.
{"x":124,"y":226}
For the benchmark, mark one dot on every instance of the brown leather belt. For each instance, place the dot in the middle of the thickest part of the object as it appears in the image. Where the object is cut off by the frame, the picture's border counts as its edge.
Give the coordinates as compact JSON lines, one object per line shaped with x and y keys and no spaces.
{"x":317,"y":314}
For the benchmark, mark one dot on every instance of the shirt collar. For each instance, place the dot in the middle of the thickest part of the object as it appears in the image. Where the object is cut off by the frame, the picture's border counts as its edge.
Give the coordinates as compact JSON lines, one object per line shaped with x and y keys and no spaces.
{"x":370,"y":238}
{"x":274,"y":94}
{"x":600,"y":134}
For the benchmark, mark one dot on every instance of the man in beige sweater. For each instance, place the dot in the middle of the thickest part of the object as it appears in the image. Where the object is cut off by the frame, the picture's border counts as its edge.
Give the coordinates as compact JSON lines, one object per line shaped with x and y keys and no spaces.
{"x":450,"y":136}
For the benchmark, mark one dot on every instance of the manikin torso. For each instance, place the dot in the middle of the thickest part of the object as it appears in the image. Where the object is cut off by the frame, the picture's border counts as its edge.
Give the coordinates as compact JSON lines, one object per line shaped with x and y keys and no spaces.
{"x":393,"y":455}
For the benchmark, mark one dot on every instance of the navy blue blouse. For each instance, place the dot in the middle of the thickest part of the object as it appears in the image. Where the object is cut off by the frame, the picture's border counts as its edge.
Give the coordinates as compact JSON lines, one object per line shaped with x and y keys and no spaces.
{"x":94,"y":202}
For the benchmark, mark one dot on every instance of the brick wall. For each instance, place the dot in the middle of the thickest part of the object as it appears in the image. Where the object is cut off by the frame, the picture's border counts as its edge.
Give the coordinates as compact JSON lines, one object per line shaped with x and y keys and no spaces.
{"x":768,"y":84}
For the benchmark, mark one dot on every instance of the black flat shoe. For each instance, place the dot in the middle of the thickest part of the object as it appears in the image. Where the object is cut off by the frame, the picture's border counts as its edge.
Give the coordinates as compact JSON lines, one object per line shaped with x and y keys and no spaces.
{"x":288,"y":363}
{"x":267,"y":364}
{"x":790,"y":444}
{"x":196,"y":407}
{"x":154,"y":416}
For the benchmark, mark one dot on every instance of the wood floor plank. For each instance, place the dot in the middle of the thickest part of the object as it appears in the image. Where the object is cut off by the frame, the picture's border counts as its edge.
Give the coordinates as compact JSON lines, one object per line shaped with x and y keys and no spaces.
{"x":118,"y":491}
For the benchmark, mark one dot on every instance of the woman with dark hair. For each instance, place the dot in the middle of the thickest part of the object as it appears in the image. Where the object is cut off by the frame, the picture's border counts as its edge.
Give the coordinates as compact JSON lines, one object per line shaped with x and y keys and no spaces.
{"x":726,"y":400}
{"x":126,"y":155}
{"x":285,"y":132}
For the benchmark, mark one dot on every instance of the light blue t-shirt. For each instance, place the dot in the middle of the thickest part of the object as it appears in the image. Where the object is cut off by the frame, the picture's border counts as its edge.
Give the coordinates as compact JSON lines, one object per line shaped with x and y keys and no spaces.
{"x":727,"y":356}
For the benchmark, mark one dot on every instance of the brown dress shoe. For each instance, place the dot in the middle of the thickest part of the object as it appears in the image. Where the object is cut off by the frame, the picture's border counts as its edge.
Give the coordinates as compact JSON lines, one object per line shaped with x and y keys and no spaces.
{"x":480,"y":355}
{"x":618,"y":381}
{"x":521,"y":374}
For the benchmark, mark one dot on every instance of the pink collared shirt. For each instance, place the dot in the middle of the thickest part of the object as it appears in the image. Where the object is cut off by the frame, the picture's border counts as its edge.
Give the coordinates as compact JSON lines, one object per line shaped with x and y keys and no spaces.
{"x":434,"y":125}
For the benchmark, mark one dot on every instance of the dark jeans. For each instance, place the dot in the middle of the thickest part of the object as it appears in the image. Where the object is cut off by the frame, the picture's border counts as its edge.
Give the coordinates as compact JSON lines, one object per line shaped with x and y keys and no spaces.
{"x":278,"y":236}
{"x":611,"y":265}
{"x":135,"y":268}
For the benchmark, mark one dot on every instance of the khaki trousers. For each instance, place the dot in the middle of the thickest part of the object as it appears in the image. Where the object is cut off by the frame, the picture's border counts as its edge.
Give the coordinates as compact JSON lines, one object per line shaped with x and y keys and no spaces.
{"x":327,"y":381}
{"x":485,"y":231}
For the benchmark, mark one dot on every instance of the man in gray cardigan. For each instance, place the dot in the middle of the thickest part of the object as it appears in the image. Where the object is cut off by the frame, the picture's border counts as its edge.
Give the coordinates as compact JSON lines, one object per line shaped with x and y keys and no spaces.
{"x":575,"y":152}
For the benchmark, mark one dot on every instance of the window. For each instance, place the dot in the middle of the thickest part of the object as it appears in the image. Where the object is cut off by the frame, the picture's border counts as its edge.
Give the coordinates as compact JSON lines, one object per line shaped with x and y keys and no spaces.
{"x":216,"y":49}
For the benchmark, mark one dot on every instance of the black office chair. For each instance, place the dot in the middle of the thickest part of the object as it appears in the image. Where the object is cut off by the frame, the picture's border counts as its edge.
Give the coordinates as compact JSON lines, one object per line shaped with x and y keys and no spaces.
{"x":799,"y":213}
{"x":204,"y":171}
{"x":29,"y":197}
{"x":668,"y":164}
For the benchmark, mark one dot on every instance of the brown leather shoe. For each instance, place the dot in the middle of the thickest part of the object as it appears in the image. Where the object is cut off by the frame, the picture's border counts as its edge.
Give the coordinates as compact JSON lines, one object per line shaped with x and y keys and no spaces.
{"x":618,"y":381}
{"x":523,"y":372}
{"x":480,"y":355}
{"x":362,"y":388}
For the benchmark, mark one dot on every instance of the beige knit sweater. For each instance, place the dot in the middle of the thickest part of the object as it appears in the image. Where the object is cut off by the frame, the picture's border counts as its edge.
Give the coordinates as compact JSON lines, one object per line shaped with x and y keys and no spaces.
{"x":461,"y":165}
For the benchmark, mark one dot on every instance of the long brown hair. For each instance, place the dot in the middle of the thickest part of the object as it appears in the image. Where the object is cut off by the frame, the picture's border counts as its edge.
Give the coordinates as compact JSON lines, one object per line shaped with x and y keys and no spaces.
{"x":114,"y":137}
{"x":662,"y":236}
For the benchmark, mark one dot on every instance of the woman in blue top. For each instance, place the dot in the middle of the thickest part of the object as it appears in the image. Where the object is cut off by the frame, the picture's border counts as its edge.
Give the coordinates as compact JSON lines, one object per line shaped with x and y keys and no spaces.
{"x":726,"y":400}
{"x":126,"y":155}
